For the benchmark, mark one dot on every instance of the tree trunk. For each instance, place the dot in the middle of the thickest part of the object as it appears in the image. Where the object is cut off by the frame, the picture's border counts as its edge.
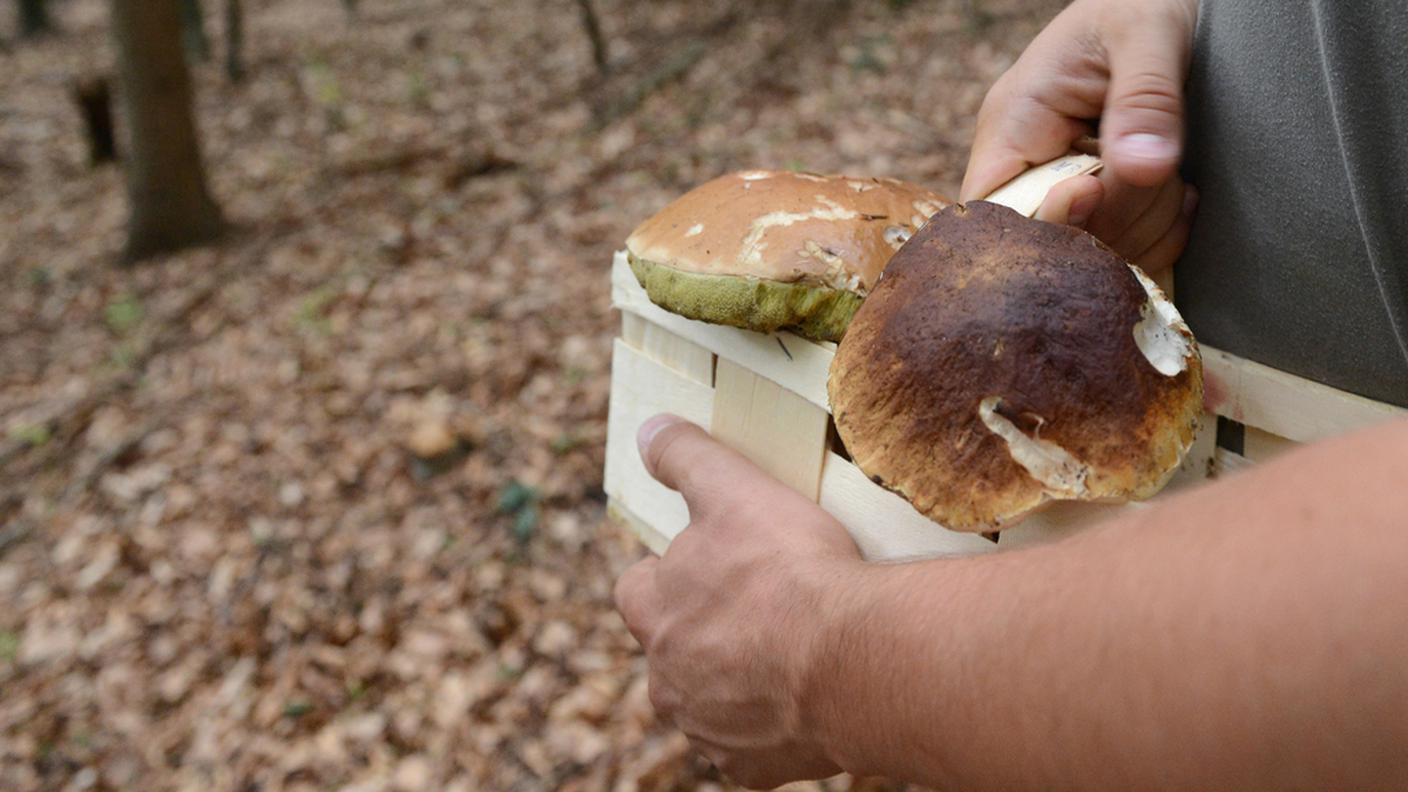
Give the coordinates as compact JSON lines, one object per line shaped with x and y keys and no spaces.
{"x":234,"y":40}
{"x":34,"y":18}
{"x":974,"y":16}
{"x":592,"y":24}
{"x":94,"y":98}
{"x":170,"y":207}
{"x":193,"y":31}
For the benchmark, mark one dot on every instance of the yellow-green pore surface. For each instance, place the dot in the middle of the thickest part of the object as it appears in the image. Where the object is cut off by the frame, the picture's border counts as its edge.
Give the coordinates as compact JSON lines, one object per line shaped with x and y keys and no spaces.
{"x":816,"y":311}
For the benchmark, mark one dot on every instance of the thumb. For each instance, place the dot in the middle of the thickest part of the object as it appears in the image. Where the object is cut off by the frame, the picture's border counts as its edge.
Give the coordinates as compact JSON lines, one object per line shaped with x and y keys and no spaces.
{"x":1141,"y":129}
{"x":707,"y":473}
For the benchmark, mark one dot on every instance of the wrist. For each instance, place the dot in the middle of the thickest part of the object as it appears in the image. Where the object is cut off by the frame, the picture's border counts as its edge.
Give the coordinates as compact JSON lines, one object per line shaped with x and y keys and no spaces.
{"x":847,"y":624}
{"x":830,"y":648}
{"x":887,"y":645}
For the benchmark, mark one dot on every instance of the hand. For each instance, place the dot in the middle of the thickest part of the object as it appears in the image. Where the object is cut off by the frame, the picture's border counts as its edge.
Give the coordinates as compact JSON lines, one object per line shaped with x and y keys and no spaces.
{"x":1121,"y":63}
{"x":731,"y":617}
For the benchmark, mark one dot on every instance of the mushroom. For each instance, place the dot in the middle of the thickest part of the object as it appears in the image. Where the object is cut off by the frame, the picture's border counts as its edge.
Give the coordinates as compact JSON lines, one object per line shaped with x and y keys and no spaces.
{"x":1002,"y":363}
{"x":764,"y":250}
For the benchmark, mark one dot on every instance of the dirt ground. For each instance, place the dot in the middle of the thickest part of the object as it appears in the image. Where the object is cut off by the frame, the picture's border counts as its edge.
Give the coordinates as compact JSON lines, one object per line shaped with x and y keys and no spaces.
{"x":320,"y":507}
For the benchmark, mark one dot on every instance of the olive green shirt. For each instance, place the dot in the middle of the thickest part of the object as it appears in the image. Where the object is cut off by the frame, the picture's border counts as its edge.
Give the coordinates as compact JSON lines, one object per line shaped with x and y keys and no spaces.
{"x":1298,"y":142}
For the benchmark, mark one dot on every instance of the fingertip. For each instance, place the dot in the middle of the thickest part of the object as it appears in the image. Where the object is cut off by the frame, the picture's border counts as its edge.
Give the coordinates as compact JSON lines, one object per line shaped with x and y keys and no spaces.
{"x":1142,"y":159}
{"x":651,"y":429}
{"x":1190,"y":201}
{"x":1147,"y":146}
{"x":990,"y":166}
{"x":1092,"y":192}
{"x":679,"y":454}
{"x":1072,"y":201}
{"x":1164,"y":254}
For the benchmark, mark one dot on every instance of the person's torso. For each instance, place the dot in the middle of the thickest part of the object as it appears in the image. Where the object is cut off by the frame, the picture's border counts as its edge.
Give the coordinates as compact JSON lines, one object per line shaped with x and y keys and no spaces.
{"x":1298,"y":141}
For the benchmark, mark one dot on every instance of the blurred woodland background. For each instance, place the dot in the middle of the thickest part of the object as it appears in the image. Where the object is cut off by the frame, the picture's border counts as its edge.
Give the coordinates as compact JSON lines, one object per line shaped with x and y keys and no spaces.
{"x":300,"y":468}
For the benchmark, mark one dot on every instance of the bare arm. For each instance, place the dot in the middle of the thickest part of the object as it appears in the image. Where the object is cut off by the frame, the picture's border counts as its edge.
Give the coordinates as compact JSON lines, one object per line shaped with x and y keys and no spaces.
{"x":1250,"y":634}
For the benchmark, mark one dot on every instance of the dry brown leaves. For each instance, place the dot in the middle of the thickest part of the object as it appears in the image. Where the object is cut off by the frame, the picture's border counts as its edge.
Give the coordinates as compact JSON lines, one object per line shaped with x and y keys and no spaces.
{"x":320,"y":508}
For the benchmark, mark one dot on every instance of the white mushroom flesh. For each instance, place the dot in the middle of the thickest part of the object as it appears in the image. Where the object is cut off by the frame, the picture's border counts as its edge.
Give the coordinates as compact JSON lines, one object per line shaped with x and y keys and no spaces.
{"x":1160,"y":332}
{"x":1060,"y":473}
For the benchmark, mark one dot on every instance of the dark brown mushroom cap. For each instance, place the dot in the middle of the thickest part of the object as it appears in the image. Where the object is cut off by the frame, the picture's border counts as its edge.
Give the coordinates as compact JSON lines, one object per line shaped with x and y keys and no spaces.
{"x":1002,"y":362}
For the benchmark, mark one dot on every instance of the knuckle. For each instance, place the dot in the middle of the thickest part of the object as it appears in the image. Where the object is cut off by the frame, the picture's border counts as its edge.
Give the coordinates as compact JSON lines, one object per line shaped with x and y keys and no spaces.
{"x":621,"y":591}
{"x":686,"y":546}
{"x":1151,"y":91}
{"x":633,"y":602}
{"x":996,"y":95}
{"x":627,"y":586}
{"x":661,"y":697}
{"x":748,"y":774}
{"x":998,"y":99}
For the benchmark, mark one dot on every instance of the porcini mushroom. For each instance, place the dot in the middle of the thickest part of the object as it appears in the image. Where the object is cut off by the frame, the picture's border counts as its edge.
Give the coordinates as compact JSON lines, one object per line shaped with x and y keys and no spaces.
{"x":764,"y":250}
{"x":1003,"y":362}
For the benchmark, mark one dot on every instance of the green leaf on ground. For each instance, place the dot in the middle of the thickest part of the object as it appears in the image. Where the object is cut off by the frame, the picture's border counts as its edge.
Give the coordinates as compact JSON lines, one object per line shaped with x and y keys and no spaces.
{"x":297,"y":709}
{"x":9,"y":646}
{"x":521,"y":501}
{"x":565,"y":443}
{"x":515,"y":497}
{"x":312,"y":310}
{"x":123,"y":314}
{"x":33,"y":435}
{"x":525,"y":522}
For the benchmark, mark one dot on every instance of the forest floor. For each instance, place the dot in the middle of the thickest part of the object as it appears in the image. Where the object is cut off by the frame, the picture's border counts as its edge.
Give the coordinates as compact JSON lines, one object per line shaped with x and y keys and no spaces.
{"x":222,"y":562}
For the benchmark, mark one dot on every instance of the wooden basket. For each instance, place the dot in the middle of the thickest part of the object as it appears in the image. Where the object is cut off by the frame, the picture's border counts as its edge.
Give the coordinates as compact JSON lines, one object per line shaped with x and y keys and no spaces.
{"x":765,"y":395}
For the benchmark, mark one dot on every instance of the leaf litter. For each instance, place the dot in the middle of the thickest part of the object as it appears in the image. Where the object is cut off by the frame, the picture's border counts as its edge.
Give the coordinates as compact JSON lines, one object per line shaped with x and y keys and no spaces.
{"x":320,"y":507}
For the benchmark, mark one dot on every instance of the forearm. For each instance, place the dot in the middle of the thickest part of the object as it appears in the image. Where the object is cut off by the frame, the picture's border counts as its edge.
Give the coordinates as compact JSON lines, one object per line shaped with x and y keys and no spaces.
{"x":1250,"y":634}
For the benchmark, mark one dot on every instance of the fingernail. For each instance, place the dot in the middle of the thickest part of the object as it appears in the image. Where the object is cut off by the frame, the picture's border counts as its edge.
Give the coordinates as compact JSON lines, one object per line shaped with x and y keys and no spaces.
{"x":1148,"y":146}
{"x":653,"y":427}
{"x":1082,"y":209}
{"x":1190,"y":200}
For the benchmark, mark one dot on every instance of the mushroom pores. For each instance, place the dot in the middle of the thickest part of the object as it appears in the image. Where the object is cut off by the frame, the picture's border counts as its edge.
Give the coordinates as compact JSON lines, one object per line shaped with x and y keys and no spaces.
{"x":1002,"y":362}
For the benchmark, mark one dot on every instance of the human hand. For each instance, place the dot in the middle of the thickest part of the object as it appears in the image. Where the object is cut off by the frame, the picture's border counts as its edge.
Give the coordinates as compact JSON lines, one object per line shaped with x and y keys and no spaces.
{"x":731,"y":617}
{"x":1121,"y":63}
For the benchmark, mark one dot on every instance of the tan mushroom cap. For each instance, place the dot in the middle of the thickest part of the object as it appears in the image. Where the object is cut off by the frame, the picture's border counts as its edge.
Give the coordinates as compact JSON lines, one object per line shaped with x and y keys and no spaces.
{"x":1004,"y":362}
{"x":829,"y":231}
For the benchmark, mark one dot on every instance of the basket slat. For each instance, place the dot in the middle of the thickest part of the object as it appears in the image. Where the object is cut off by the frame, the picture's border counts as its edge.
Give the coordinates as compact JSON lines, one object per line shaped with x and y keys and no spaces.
{"x":1283,"y":404}
{"x":1260,"y":446}
{"x":640,"y":388}
{"x":660,"y":345}
{"x":780,"y":431}
{"x":789,"y":360}
{"x":883,"y":524}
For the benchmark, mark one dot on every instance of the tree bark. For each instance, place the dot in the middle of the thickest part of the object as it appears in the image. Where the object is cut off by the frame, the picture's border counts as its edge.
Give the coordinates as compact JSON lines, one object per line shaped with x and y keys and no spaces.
{"x":193,"y":30}
{"x":234,"y":40}
{"x":169,"y":204}
{"x":94,"y":98}
{"x":592,"y":23}
{"x":34,"y":18}
{"x":974,"y":16}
